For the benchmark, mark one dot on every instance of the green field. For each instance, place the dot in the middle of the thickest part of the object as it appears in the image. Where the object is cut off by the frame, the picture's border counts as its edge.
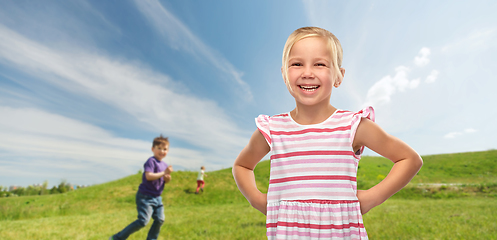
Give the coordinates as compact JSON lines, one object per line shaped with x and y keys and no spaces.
{"x":454,"y":196}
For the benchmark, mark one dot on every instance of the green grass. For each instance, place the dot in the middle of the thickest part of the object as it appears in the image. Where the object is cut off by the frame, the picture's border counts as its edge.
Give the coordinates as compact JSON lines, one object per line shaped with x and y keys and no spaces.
{"x":471,"y":167}
{"x":418,"y":212}
{"x":460,"y":218}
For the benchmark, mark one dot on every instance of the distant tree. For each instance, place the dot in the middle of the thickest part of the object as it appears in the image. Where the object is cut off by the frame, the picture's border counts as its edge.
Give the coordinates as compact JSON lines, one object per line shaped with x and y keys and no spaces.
{"x":20,"y":191}
{"x":30,"y":190}
{"x":3,"y":191}
{"x":62,"y":187}
{"x":54,"y":190}
{"x":38,"y":189}
{"x":44,"y":186}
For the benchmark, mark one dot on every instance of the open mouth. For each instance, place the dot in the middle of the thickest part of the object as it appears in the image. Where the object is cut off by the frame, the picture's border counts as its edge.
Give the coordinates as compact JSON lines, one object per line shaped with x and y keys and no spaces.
{"x":309,"y":88}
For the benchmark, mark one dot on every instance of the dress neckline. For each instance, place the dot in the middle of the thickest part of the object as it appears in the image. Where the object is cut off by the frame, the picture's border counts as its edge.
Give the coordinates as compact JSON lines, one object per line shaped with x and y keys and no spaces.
{"x":315,"y":124}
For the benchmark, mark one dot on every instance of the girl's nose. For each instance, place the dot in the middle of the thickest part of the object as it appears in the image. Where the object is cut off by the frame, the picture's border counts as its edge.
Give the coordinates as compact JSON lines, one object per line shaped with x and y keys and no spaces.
{"x":307,"y":73}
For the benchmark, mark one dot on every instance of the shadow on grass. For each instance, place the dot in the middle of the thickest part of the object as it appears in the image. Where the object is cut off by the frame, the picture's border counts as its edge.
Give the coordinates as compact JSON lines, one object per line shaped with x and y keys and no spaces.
{"x":189,"y":191}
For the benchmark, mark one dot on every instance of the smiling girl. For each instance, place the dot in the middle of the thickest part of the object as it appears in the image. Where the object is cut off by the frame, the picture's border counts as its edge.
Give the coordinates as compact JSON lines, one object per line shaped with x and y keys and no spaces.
{"x":315,"y":151}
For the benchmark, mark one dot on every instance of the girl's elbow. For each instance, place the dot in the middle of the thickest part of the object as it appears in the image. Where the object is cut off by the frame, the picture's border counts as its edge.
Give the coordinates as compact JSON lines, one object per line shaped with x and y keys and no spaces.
{"x":234,"y":169}
{"x":418,"y":161}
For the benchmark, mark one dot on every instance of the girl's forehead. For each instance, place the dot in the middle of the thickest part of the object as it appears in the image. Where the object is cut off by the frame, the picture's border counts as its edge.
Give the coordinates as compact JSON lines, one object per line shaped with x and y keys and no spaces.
{"x":317,"y":45}
{"x":311,"y":41}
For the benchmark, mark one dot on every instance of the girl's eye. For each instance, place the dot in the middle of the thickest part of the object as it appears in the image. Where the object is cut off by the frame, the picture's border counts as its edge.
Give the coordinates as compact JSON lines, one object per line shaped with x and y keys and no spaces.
{"x":296,"y":64}
{"x":320,"y":64}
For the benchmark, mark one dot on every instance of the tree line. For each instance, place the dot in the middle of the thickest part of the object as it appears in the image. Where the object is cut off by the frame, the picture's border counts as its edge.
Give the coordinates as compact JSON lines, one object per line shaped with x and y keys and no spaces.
{"x":41,"y":189}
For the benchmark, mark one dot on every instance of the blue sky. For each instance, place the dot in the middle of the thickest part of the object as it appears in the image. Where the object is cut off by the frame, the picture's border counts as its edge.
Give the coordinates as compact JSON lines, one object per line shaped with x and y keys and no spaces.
{"x":86,"y":85}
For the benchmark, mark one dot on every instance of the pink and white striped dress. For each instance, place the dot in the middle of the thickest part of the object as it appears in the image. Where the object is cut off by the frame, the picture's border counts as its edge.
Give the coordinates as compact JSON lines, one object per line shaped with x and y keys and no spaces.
{"x":312,"y":186}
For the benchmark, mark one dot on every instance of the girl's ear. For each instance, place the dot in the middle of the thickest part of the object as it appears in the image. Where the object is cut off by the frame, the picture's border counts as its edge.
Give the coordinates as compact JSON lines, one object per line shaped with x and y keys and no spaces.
{"x":338,"y":80}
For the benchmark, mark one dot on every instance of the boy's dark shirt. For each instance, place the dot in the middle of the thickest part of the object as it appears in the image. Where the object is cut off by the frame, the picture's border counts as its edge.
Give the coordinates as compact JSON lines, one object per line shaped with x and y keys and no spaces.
{"x":152,"y":188}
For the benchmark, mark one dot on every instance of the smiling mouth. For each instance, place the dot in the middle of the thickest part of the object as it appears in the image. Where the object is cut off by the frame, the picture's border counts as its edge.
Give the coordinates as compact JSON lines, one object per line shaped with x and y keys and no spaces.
{"x":309,"y":88}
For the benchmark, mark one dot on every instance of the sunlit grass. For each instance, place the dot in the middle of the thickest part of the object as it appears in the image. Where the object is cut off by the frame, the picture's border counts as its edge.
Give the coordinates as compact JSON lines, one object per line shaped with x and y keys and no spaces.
{"x":466,"y":218}
{"x":463,"y":218}
{"x":221,"y":212}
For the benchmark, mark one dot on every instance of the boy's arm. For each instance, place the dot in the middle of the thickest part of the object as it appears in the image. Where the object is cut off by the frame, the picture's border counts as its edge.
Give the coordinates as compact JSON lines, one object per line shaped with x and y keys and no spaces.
{"x":168,"y":171}
{"x":167,"y":178}
{"x":406,"y":161}
{"x":151,"y":176}
{"x":243,"y":170}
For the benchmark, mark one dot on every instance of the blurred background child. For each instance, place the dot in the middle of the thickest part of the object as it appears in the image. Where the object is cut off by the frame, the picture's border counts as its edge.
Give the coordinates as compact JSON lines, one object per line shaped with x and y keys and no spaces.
{"x":200,"y":179}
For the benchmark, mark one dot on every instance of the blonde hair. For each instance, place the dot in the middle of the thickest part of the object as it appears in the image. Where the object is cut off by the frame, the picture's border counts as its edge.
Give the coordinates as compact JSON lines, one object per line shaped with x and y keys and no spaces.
{"x":334,"y":46}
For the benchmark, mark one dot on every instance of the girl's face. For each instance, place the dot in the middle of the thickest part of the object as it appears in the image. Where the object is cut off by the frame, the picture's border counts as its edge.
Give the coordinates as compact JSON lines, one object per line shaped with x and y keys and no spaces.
{"x":310,"y":72}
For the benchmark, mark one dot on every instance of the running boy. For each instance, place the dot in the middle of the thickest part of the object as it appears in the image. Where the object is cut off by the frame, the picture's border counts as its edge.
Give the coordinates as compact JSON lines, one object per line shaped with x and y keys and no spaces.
{"x":148,"y":198}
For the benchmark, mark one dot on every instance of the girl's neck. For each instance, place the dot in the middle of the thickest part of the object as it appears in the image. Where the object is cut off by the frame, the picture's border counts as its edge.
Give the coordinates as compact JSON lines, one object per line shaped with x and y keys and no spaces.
{"x":307,"y":115}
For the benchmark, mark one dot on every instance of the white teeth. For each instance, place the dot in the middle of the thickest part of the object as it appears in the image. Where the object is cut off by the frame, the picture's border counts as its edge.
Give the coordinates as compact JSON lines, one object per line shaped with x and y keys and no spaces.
{"x":309,"y":88}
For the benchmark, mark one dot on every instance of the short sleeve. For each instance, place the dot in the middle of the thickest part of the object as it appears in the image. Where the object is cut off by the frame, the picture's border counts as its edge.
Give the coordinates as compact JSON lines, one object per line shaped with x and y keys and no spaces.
{"x":149,"y":166}
{"x":368,"y":113}
{"x":262,"y":123}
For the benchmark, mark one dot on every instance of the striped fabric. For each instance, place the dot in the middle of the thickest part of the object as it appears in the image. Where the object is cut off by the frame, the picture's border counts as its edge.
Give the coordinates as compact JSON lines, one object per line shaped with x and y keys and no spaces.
{"x":312,"y":185}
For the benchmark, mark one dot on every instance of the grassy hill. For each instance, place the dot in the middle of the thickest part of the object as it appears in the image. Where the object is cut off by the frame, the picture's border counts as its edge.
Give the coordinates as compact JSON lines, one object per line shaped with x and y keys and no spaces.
{"x":470,"y":167}
{"x":465,"y":208}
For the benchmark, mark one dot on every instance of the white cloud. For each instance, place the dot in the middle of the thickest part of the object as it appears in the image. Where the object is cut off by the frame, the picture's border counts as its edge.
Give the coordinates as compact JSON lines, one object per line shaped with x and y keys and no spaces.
{"x":422,"y":58}
{"x":414,"y":83}
{"x":73,"y":147}
{"x":432,"y":77}
{"x":478,"y":39}
{"x":460,"y":133}
{"x":180,"y":37}
{"x":452,"y":134}
{"x":381,"y":92}
{"x":149,"y":96}
{"x":469,"y":130}
{"x":35,"y":133}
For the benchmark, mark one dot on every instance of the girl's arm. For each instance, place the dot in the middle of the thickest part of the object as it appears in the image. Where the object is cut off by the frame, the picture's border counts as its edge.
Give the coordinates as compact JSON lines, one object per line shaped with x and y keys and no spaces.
{"x":243,"y":171}
{"x":407,"y":163}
